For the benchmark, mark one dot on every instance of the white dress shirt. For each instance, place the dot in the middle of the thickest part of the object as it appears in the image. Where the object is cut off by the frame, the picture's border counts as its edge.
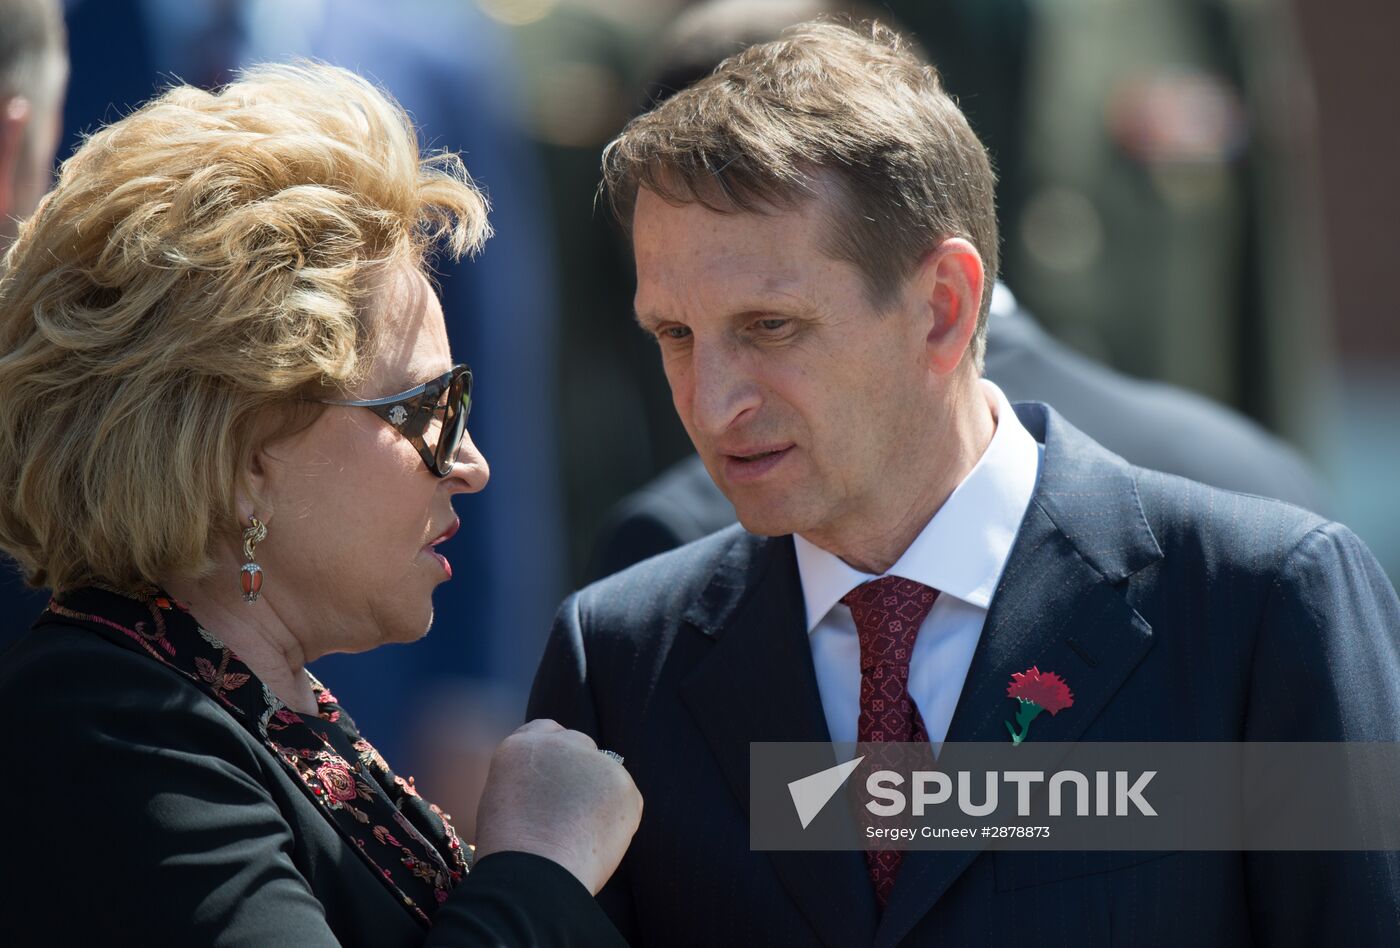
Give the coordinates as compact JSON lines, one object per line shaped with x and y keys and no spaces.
{"x":961,"y":553}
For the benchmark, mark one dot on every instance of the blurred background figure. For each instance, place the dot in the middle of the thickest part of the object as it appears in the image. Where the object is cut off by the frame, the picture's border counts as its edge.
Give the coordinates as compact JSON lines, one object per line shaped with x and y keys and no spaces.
{"x":1158,"y":192}
{"x":33,"y":74}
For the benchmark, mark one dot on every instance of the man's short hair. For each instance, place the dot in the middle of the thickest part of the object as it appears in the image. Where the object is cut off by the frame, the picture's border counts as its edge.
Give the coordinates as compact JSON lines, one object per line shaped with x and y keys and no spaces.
{"x":32,"y":41}
{"x":850,"y":100}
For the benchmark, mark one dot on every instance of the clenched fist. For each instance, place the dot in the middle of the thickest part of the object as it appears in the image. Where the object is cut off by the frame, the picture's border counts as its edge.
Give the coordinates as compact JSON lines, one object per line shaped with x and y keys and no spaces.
{"x":550,"y":792}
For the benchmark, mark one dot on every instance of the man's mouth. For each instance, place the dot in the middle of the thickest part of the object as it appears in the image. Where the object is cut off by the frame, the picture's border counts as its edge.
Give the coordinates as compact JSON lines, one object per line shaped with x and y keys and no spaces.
{"x":750,"y":464}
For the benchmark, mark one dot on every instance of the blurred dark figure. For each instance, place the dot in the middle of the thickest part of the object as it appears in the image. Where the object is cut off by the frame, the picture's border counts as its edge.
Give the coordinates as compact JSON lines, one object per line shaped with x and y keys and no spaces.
{"x":1165,"y":214}
{"x":33,"y":73}
{"x":1150,"y":424}
{"x":1156,"y":161}
{"x":451,"y":68}
{"x":1350,"y":47}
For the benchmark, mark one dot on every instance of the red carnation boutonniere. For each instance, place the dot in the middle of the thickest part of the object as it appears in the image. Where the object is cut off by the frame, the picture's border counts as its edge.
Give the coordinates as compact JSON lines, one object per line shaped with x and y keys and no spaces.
{"x":1037,"y":691}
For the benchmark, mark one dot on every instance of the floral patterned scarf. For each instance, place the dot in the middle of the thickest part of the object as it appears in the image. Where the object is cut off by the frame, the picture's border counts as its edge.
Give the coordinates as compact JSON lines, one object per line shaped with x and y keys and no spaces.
{"x":407,"y":842}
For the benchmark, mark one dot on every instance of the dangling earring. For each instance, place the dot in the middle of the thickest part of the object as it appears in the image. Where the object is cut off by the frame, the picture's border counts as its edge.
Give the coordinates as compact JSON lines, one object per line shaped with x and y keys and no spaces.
{"x":251,"y":573}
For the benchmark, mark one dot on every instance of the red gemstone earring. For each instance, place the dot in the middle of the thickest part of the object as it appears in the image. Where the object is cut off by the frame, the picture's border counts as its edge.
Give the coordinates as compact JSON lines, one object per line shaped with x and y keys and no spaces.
{"x":251,"y":573}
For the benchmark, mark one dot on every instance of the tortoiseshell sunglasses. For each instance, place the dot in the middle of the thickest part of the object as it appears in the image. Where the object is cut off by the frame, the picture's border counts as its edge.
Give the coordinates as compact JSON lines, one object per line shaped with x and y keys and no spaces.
{"x":411,"y":414}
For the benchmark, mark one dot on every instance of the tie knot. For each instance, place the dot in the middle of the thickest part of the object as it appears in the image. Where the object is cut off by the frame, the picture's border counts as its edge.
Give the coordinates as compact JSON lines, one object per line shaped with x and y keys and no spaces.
{"x":888,"y":612}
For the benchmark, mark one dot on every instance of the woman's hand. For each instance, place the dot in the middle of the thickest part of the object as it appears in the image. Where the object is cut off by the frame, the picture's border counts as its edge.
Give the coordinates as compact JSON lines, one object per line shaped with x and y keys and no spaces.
{"x":550,"y":792}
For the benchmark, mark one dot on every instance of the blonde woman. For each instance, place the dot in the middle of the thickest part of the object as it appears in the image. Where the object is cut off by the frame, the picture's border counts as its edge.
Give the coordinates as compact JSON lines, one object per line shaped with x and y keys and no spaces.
{"x":230,"y":435}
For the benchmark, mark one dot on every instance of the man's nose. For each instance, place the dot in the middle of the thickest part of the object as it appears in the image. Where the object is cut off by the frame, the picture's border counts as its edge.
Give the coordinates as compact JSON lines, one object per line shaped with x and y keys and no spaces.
{"x":722,"y":388}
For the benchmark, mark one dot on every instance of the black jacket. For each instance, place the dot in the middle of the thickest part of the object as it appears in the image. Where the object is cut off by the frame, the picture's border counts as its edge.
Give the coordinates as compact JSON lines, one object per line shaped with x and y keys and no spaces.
{"x":146,"y":808}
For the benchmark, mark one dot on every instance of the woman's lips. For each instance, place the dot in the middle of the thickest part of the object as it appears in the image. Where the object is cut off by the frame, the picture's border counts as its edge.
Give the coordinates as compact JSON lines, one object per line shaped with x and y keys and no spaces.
{"x":447,"y":534}
{"x":752,"y":465}
{"x":443,"y":538}
{"x":442,"y":561}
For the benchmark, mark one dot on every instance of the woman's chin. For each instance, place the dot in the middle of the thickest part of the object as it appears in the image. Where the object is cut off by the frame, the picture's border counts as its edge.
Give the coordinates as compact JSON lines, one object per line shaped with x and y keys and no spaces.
{"x":406,"y":620}
{"x":417,"y":626}
{"x":439,"y":563}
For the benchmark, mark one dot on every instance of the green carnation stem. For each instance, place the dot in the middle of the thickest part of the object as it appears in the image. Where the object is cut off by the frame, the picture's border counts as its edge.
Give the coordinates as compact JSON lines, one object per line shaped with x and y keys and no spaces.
{"x":1024,"y":716}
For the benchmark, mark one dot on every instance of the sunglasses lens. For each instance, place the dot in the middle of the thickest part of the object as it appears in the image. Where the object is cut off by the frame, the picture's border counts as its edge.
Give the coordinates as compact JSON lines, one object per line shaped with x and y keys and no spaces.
{"x":454,"y":423}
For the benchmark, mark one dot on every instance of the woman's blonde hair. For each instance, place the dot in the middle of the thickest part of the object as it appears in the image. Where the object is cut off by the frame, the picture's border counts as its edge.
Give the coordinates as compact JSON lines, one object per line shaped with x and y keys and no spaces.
{"x":202,"y":265}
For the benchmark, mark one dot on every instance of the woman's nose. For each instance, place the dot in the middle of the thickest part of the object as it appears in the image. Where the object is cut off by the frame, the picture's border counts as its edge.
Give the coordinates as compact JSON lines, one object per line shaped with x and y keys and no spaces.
{"x":469,"y":467}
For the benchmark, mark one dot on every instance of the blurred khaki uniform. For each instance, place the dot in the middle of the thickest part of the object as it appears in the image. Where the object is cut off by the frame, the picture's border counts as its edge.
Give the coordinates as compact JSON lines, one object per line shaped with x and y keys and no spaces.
{"x":1168,"y":220}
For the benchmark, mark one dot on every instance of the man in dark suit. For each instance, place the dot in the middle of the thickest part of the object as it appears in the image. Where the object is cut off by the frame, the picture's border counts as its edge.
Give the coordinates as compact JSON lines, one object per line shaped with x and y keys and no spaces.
{"x":815,"y":242}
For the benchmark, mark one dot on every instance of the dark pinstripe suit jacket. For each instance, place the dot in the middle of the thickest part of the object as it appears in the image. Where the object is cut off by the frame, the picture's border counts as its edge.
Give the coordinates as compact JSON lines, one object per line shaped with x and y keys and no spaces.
{"x":1177,"y":611}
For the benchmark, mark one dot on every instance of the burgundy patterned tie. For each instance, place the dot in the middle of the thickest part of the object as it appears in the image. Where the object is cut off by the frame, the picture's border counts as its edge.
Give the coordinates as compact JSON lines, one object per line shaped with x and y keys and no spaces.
{"x":888,"y":614}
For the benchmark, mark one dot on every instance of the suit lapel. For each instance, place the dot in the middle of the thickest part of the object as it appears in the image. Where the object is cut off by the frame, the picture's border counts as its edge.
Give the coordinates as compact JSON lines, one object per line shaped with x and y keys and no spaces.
{"x":1059,"y":606}
{"x":758,"y":684}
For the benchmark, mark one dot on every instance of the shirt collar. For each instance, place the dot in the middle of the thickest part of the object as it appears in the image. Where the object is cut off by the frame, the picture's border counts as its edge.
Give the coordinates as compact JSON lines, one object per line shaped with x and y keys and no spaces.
{"x":962,"y":551}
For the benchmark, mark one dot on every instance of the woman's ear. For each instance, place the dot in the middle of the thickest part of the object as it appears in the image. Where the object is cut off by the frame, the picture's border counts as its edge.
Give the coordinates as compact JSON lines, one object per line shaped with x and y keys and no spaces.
{"x":253,"y":498}
{"x":950,"y":282}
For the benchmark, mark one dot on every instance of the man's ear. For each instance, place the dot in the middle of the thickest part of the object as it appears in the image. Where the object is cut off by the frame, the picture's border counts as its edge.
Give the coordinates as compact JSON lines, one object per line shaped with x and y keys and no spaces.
{"x":950,"y":282}
{"x":15,"y":115}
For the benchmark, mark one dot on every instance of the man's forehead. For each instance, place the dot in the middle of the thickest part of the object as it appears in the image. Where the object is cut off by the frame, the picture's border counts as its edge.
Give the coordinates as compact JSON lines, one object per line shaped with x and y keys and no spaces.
{"x":730,"y":272}
{"x":780,"y":246}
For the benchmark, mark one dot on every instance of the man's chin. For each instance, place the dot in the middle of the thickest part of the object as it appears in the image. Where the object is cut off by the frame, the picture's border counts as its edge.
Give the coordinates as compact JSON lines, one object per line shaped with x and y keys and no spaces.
{"x":772,"y":508}
{"x":766,"y":521}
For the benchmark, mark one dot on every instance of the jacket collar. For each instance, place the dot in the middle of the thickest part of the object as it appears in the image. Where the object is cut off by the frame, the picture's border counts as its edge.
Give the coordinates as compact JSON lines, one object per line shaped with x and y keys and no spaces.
{"x":758,"y":684}
{"x":1060,"y":606}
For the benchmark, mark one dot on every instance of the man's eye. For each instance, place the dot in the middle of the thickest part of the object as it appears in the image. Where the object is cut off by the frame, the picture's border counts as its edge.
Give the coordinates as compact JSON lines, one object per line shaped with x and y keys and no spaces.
{"x":674,"y":332}
{"x":773,"y":324}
